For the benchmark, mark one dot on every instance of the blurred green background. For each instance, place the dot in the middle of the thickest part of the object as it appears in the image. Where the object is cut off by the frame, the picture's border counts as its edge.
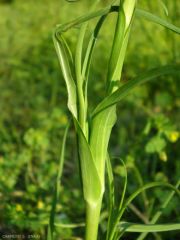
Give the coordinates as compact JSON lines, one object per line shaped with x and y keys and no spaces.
{"x":33,"y":116}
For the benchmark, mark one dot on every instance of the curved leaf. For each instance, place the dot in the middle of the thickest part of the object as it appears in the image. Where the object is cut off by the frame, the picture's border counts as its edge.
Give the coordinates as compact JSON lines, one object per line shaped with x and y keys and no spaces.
{"x":86,"y":17}
{"x":164,"y":7}
{"x":91,"y":45}
{"x":153,"y":18}
{"x":99,"y":13}
{"x":147,"y":186}
{"x":159,"y":213}
{"x":123,"y":91}
{"x":134,"y":195}
{"x":62,"y":53}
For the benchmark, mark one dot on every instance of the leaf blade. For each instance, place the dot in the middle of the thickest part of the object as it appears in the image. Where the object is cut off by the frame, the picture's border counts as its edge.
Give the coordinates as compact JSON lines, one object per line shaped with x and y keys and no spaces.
{"x":92,"y":186}
{"x":159,"y":213}
{"x":62,"y":54}
{"x":147,"y":228}
{"x":123,"y":91}
{"x":153,"y":18}
{"x":134,"y":195}
{"x":57,"y":188}
{"x":147,"y":186}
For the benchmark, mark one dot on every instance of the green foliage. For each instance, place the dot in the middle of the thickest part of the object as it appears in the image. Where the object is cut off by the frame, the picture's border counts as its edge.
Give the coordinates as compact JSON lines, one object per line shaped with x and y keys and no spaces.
{"x":33,"y":116}
{"x":93,"y":133}
{"x":155,"y":145}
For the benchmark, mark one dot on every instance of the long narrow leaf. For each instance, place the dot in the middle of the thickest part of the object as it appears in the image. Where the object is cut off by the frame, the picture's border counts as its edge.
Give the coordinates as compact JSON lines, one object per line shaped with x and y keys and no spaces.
{"x":147,"y":186}
{"x":91,"y":45}
{"x":60,"y":47}
{"x":164,"y":7}
{"x":125,"y":186}
{"x":86,"y":17}
{"x":153,"y":18}
{"x":88,"y":57}
{"x":159,"y":213}
{"x":139,"y":12}
{"x":123,"y":91}
{"x":110,"y":183}
{"x":114,"y":210}
{"x":79,"y":47}
{"x":134,"y":195}
{"x":57,"y":187}
{"x":146,"y":228}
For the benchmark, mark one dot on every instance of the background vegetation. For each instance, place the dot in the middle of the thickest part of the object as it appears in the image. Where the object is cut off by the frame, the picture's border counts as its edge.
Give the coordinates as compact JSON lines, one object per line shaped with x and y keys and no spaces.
{"x":33,"y":116}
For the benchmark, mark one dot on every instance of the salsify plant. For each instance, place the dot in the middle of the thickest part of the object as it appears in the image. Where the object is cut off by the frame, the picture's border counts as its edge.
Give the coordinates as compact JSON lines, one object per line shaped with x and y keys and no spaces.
{"x":93,"y":129}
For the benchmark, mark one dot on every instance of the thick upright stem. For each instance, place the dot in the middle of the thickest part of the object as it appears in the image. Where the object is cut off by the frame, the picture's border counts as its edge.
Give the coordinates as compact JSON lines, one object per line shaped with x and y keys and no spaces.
{"x":92,"y":220}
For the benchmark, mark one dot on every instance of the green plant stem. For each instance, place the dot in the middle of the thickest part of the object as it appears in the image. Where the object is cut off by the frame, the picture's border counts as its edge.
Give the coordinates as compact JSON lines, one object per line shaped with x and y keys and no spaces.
{"x":92,"y":220}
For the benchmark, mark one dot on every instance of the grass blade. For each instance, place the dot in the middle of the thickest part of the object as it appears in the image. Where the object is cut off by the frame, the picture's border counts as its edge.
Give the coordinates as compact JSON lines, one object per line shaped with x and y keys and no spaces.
{"x":110,"y":183}
{"x":164,"y":7}
{"x":114,"y":210}
{"x":147,"y":186}
{"x":92,"y":42}
{"x":134,"y":195}
{"x":147,"y":228}
{"x":88,"y":57}
{"x":62,"y":53}
{"x":159,"y":213}
{"x":91,"y":45}
{"x":123,"y":91}
{"x":153,"y":18}
{"x":57,"y":187}
{"x":141,"y":183}
{"x":109,"y":9}
{"x":86,"y":17}
{"x":124,"y":188}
